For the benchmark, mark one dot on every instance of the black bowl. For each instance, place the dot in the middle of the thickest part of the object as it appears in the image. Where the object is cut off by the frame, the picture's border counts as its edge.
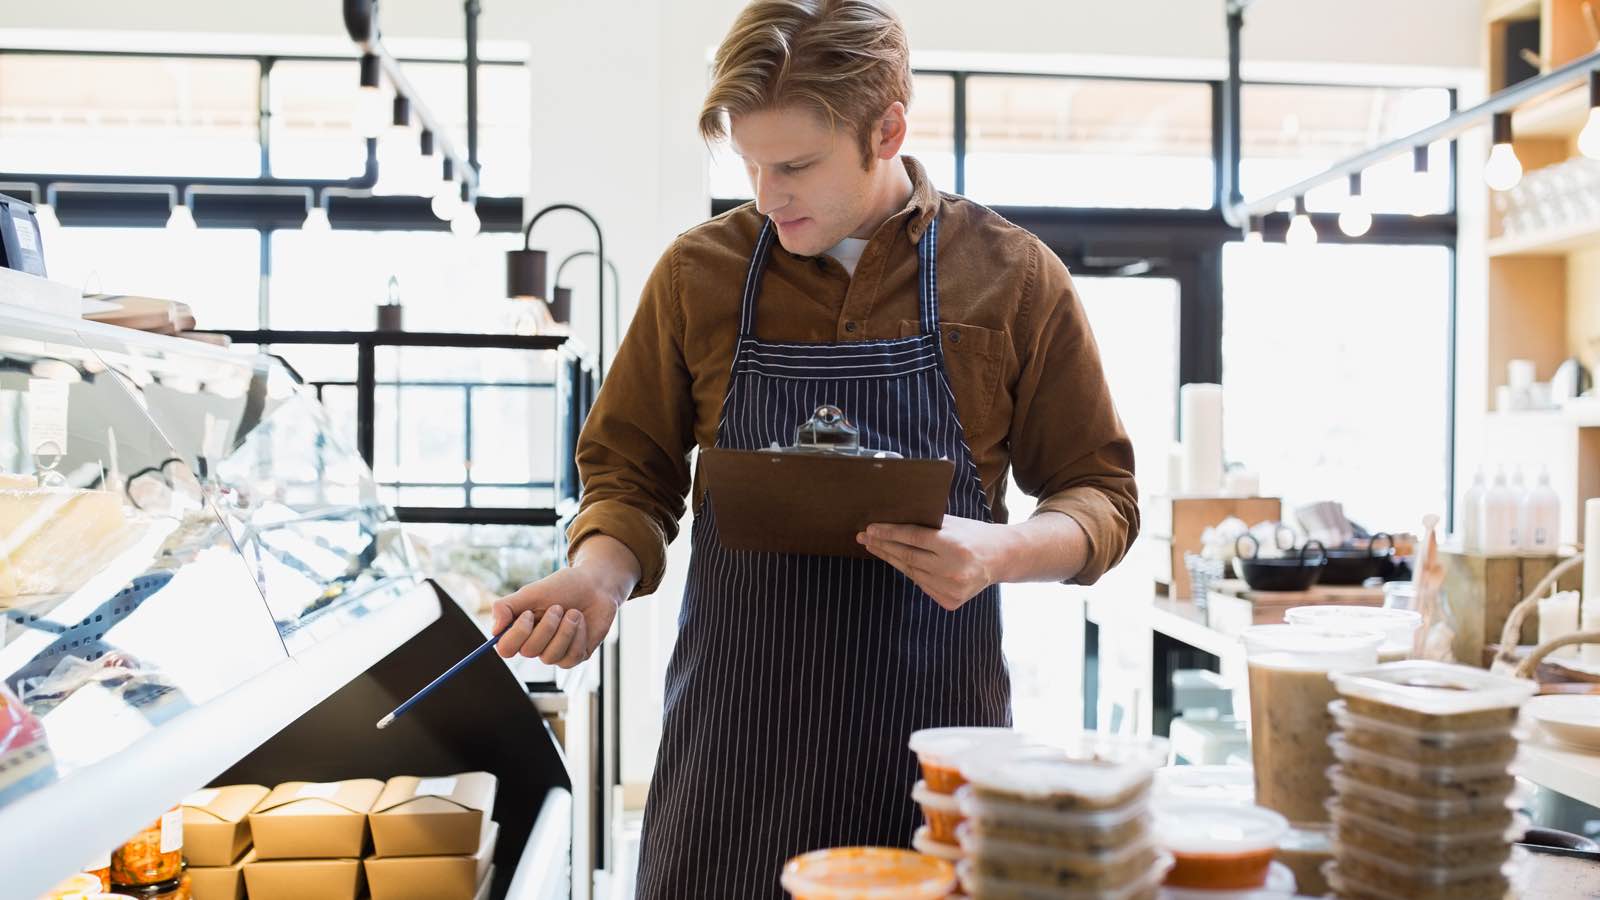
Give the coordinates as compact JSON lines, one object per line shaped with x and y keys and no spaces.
{"x":1293,"y":573}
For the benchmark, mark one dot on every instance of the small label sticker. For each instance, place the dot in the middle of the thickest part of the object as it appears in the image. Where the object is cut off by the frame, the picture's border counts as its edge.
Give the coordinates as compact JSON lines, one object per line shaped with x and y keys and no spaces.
{"x":317,"y":791}
{"x":201,"y":798}
{"x":47,"y":416}
{"x":436,"y":787}
{"x":172,"y":831}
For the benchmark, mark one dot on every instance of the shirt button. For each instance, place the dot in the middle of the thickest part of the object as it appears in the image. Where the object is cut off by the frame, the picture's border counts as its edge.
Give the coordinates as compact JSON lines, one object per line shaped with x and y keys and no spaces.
{"x":849,"y":326}
{"x":955,"y":337}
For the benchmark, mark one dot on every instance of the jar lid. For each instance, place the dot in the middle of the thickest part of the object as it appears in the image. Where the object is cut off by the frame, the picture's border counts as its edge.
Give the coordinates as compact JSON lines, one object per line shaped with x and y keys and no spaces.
{"x":1218,"y":828}
{"x":1435,"y":688}
{"x":945,"y":745}
{"x":1311,"y":647}
{"x":869,"y":873}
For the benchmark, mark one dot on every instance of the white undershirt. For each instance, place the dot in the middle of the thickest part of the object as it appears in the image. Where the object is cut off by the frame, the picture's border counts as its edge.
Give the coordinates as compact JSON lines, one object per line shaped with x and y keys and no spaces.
{"x":848,"y":252}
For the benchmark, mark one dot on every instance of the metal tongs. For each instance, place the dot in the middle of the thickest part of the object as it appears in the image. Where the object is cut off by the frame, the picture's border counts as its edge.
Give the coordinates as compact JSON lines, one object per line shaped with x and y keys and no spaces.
{"x":828,"y":431}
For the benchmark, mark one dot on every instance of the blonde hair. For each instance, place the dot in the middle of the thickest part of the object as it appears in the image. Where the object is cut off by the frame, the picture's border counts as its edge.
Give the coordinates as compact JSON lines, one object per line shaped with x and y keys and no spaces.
{"x":846,"y":59}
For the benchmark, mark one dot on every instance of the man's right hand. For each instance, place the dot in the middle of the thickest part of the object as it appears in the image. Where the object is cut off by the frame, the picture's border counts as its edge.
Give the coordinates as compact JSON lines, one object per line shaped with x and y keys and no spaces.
{"x":563,"y":617}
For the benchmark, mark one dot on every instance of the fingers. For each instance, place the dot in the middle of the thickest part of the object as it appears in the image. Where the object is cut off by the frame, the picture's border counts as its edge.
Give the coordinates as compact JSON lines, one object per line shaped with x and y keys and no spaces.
{"x":910,"y":535}
{"x":502,"y":615}
{"x":580,"y":649}
{"x":561,"y":642}
{"x":512,"y":640}
{"x":542,"y":632}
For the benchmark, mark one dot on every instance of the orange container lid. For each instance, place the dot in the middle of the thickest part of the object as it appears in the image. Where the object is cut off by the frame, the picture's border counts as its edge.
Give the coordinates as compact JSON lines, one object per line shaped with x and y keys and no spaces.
{"x":868,"y":873}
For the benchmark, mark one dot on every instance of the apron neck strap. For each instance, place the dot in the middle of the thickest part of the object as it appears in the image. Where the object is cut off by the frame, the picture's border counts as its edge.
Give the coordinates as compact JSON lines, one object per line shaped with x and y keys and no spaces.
{"x":927,"y":279}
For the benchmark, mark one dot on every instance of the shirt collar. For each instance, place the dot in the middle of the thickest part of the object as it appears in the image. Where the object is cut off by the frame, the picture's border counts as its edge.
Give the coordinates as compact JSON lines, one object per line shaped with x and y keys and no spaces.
{"x":924,"y":202}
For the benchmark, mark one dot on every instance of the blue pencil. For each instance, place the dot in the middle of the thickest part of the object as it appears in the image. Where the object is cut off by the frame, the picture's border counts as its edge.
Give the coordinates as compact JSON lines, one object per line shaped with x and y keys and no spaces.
{"x":485,"y":647}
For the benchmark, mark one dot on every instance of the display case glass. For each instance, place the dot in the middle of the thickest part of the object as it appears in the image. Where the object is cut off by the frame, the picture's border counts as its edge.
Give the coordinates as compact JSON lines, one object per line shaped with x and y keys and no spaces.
{"x":175,"y":519}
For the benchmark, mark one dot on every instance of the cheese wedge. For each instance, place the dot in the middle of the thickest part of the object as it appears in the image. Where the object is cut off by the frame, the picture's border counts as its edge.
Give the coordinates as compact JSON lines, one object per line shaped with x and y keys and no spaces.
{"x":45,"y":534}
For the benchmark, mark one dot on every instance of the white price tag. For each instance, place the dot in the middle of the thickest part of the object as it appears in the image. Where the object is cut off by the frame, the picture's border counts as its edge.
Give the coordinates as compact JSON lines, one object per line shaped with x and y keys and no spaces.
{"x":172,"y":831}
{"x":317,"y":791}
{"x":436,"y":787}
{"x":47,"y":415}
{"x":201,"y":798}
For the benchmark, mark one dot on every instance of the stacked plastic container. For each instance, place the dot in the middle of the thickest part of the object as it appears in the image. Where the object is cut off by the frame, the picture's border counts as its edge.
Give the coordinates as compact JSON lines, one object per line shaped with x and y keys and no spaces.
{"x":1422,"y":789}
{"x":1066,"y":821}
{"x":940,"y":751}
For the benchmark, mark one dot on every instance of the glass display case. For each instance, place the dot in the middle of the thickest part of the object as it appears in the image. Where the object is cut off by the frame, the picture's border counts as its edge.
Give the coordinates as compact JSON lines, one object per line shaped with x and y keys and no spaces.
{"x":176,"y":521}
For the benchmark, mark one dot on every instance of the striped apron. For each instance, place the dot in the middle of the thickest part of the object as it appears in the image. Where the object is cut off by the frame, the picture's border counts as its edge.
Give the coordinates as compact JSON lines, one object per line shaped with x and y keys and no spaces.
{"x":796,"y":680}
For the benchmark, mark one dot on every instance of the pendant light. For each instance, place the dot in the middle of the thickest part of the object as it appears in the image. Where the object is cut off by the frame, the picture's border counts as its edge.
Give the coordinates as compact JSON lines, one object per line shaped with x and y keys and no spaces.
{"x":1356,"y":219}
{"x":371,"y":113}
{"x":445,"y":198}
{"x":1301,"y":232}
{"x":316,"y":221}
{"x":1252,"y":234}
{"x":1589,"y":137}
{"x":1503,"y":170}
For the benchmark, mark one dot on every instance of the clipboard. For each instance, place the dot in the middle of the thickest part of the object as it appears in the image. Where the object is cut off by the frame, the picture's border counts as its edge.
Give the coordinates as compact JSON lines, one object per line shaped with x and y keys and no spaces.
{"x":813,"y":498}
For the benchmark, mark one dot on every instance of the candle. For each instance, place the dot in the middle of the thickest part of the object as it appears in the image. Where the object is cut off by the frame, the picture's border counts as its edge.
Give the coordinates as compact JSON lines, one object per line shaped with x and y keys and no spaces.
{"x":1201,"y":409}
{"x":1590,"y":653}
{"x":1558,"y":616}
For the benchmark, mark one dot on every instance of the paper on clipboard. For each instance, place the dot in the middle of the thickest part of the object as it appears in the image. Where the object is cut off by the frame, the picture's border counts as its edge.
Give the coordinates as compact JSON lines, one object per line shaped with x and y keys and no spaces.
{"x":815,"y":504}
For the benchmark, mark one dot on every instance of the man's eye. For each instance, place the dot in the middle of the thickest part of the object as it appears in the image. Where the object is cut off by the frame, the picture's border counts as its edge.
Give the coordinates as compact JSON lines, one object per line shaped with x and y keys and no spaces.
{"x":800,"y":168}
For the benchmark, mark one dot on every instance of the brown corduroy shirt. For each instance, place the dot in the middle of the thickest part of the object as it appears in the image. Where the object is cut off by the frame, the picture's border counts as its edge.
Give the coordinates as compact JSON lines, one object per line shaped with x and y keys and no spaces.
{"x":1018,"y":350}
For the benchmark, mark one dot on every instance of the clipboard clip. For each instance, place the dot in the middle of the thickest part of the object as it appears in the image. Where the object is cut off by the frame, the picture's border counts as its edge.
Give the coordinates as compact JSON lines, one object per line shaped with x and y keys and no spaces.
{"x":828,"y":431}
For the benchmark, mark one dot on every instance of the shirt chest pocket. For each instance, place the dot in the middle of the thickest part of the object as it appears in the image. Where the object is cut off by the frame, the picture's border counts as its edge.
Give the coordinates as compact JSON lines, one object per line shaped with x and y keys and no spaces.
{"x":973,"y":358}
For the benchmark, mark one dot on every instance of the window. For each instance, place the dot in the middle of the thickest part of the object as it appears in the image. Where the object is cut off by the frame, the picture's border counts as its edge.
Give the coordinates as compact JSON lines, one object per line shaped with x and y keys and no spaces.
{"x":1048,"y":141}
{"x":334,"y":281}
{"x":110,"y":115}
{"x":1291,"y":132}
{"x":213,"y":270}
{"x":1335,"y":368}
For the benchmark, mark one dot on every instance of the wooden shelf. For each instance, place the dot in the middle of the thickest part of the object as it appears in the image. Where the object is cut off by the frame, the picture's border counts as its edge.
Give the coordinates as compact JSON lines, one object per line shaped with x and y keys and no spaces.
{"x":1559,"y":115}
{"x":1546,"y":242}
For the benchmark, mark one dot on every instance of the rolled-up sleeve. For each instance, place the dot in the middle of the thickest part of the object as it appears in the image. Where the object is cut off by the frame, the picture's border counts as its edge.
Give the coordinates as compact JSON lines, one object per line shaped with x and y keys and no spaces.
{"x":633,"y":453}
{"x":1068,"y":446}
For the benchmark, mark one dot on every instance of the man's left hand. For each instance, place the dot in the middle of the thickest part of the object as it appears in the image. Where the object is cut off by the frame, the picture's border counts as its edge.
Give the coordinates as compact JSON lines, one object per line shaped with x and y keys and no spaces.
{"x":952,"y":563}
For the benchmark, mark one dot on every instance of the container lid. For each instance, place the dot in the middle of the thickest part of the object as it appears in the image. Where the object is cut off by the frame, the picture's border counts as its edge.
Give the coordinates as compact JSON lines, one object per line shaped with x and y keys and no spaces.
{"x":924,"y":843}
{"x":931,"y":799}
{"x":1211,"y":784}
{"x":1224,"y":829}
{"x":1437,"y":875}
{"x":946,"y":745}
{"x":868,"y":873}
{"x":1435,"y":688}
{"x":1280,"y":885}
{"x":992,"y":809}
{"x":1398,"y":625}
{"x":1311,"y":647}
{"x":1427,"y":807}
{"x":976,"y":844}
{"x":1465,"y":829}
{"x":1307,"y":838}
{"x":1097,"y":772}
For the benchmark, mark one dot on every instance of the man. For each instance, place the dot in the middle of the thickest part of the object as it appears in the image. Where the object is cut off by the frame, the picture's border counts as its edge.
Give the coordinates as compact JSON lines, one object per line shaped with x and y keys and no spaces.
{"x":942,"y":331}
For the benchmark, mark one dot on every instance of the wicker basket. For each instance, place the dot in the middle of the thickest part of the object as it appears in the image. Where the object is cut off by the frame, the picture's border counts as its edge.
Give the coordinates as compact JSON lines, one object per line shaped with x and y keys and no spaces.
{"x":1203,"y":572}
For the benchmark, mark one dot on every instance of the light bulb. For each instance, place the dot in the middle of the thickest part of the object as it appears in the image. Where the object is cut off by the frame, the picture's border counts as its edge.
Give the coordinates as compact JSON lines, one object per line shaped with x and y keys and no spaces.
{"x":181,"y":218}
{"x":466,"y":223}
{"x":1503,"y":170}
{"x":372,"y":112}
{"x":1356,"y":219}
{"x":1589,"y":137}
{"x":316,"y":220}
{"x":446,"y":201}
{"x":1301,"y":232}
{"x":1254,"y":236}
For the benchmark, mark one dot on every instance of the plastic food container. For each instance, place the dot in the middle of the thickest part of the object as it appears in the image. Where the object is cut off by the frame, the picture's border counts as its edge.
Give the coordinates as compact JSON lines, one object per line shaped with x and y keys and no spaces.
{"x":1438,"y":814}
{"x":1487,"y":780}
{"x":1304,"y":850}
{"x":941,"y":811}
{"x":153,"y":856}
{"x":991,"y":887}
{"x":1495,"y":744}
{"x":1434,"y":696}
{"x":177,"y":889}
{"x":1280,"y":885}
{"x":939,"y":751}
{"x":868,"y":873}
{"x":1398,"y":626}
{"x":1089,"y":831}
{"x":1471,"y":840}
{"x":1487,"y":878}
{"x":923,"y":842}
{"x":1091,"y":772}
{"x":1219,"y":846}
{"x":1206,"y":784}
{"x":1289,"y":668}
{"x":1051,"y":866}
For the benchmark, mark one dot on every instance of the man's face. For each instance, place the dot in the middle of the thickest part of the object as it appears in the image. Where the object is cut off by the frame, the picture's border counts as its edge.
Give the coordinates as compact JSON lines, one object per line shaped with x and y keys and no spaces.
{"x":807,"y":178}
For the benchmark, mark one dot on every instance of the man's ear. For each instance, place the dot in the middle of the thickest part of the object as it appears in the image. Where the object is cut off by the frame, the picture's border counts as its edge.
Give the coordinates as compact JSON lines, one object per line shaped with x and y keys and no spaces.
{"x":889,"y":135}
